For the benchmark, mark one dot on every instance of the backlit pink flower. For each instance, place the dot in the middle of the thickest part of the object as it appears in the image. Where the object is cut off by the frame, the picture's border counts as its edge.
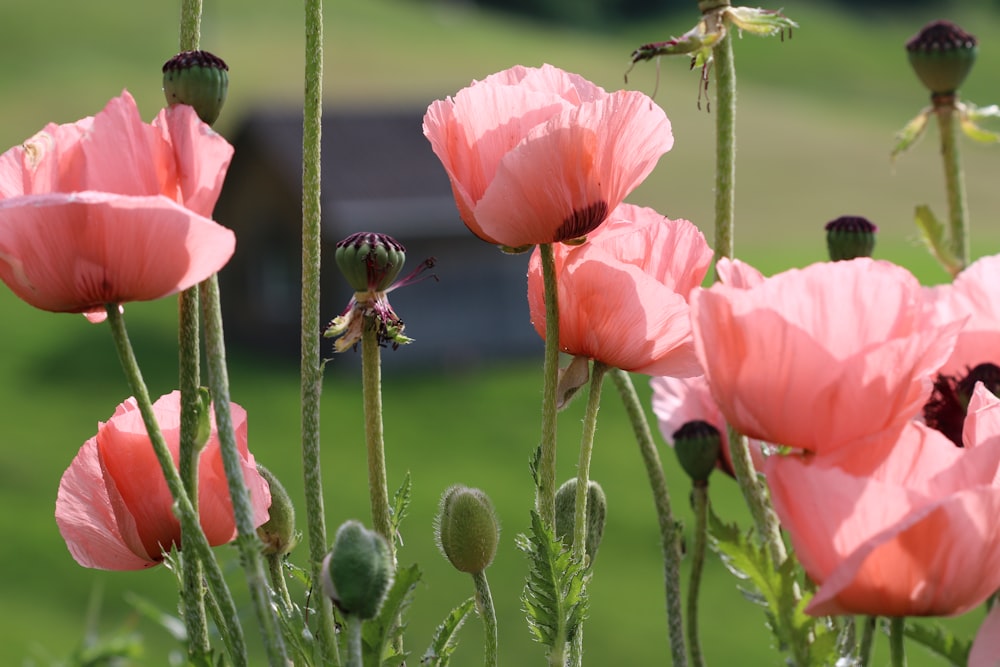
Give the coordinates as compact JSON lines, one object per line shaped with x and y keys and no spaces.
{"x":114,"y":507}
{"x":677,"y":401}
{"x":110,"y":209}
{"x":819,"y":357}
{"x":986,"y":648}
{"x":905,"y":528}
{"x":538,"y":155}
{"x":623,"y":293}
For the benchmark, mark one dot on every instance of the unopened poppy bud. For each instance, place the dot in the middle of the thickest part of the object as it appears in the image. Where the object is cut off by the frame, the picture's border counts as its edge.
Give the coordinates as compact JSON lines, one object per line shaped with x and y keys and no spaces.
{"x":199,"y":79}
{"x":278,"y":532}
{"x":370,"y":261}
{"x":942,"y":54}
{"x":597,"y":512}
{"x":466,"y":529}
{"x":698,"y":445}
{"x":850,"y":236}
{"x":358,"y":571}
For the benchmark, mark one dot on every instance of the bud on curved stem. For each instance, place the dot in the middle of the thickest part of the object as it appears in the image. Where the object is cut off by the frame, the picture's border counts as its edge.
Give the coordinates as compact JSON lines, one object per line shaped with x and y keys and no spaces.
{"x":358,"y":571}
{"x":199,"y":79}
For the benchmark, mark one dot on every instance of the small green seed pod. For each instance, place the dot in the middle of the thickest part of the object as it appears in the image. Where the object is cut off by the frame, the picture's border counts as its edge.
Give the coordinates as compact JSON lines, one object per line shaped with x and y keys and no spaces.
{"x":278,"y":532}
{"x":370,"y":262}
{"x":597,"y":512}
{"x":942,"y":54}
{"x":698,"y":445}
{"x":850,"y":236}
{"x":199,"y":79}
{"x":466,"y":529}
{"x":358,"y":571}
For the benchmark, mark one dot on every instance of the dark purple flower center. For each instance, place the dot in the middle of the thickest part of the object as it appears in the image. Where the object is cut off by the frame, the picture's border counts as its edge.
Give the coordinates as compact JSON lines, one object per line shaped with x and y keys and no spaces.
{"x":947,"y":406}
{"x":583,"y":221}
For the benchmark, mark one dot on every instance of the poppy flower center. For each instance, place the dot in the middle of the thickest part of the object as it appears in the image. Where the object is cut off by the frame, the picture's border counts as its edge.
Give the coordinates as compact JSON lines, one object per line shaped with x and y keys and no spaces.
{"x":583,"y":221}
{"x":946,"y":408}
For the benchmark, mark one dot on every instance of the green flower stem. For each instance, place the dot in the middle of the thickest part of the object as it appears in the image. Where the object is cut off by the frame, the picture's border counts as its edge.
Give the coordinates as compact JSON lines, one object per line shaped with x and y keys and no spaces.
{"x":371,"y":388}
{"x":867,"y":641}
{"x":897,"y":656}
{"x":755,"y":496}
{"x":484,"y":603}
{"x":354,"y":654}
{"x":670,"y":530}
{"x":190,"y":24}
{"x":276,"y":571}
{"x":188,"y":518}
{"x":546,"y":493}
{"x":947,"y":115}
{"x":246,"y":540}
{"x":583,"y":467}
{"x":699,"y":497}
{"x":311,"y":368}
{"x":725,"y":145}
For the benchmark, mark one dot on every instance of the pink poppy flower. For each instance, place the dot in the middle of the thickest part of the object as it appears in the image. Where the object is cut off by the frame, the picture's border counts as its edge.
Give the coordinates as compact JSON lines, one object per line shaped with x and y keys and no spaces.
{"x":538,"y":155}
{"x":903,"y":524}
{"x":677,"y":401}
{"x":623,"y":293}
{"x":986,"y":648}
{"x":114,"y":507}
{"x":819,"y":357}
{"x":110,"y":209}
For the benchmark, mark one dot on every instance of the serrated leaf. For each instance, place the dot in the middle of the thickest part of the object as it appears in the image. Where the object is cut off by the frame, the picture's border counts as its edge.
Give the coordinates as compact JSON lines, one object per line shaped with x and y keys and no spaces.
{"x":400,"y":506}
{"x":379,"y":633}
{"x":445,"y":638}
{"x":939,"y":640}
{"x":555,"y":595}
{"x":763,"y":22}
{"x":933,"y":234}
{"x":910,"y":133}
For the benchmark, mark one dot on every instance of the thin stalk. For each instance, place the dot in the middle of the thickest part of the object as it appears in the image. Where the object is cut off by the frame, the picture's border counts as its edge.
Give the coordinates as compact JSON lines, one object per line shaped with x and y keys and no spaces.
{"x":354,"y":654}
{"x":276,"y":572}
{"x":546,"y":493}
{"x":867,"y":641}
{"x":699,"y":498}
{"x":725,"y":145}
{"x":755,"y":496}
{"x":670,"y":532}
{"x":897,"y":655}
{"x":246,"y":541}
{"x":371,"y":388}
{"x":944,"y":109}
{"x":190,"y":24}
{"x":484,"y":603}
{"x":188,"y":518}
{"x":311,"y":368}
{"x":583,"y":467}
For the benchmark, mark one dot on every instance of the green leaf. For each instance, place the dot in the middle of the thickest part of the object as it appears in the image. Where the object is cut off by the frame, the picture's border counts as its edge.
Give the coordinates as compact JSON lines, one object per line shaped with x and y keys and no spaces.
{"x":933,"y":234}
{"x":910,"y":133}
{"x":379,"y":633}
{"x":400,"y":506}
{"x":445,"y":638}
{"x":555,"y":596}
{"x":939,"y":640}
{"x":763,"y":22}
{"x":967,"y":120}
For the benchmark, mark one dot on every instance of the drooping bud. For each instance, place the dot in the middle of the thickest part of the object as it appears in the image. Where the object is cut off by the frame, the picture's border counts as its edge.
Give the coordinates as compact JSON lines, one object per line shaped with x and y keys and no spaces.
{"x":278,"y":532}
{"x":358,"y":571}
{"x":597,"y":512}
{"x":370,"y":261}
{"x":942,"y":54}
{"x":199,"y":79}
{"x":466,"y":529}
{"x":850,"y":236}
{"x":698,"y":445}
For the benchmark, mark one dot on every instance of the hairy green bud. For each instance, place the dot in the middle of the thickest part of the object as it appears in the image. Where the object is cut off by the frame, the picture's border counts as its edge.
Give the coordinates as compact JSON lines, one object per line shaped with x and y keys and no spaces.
{"x":466,"y":529}
{"x":358,"y":571}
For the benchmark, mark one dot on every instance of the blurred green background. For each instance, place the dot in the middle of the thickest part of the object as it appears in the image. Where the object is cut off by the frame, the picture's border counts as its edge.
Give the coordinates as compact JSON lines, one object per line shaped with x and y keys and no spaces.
{"x":816,"y":120}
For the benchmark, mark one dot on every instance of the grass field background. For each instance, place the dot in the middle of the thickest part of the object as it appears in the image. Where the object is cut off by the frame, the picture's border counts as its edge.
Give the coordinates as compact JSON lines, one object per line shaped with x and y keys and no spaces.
{"x":816,"y":119}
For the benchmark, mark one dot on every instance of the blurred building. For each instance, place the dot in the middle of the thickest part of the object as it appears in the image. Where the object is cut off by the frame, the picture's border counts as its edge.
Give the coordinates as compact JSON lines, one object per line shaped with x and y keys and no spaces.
{"x":379,"y":175}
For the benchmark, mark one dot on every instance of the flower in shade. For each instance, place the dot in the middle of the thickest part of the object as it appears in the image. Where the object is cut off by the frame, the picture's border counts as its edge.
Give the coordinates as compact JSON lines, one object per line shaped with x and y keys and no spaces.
{"x":623,"y":294}
{"x":539,"y":155}
{"x":114,"y":507}
{"x":819,"y":357}
{"x":900,"y":524}
{"x":110,"y":209}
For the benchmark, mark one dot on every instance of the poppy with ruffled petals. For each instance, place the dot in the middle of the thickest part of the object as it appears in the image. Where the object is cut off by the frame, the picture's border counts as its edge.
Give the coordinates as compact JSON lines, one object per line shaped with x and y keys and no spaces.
{"x":114,"y":507}
{"x":110,"y":209}
{"x":539,"y":155}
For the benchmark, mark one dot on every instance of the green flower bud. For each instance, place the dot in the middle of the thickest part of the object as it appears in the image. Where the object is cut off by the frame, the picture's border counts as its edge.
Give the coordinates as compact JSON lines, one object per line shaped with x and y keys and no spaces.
{"x":850,"y":236}
{"x":278,"y":532}
{"x":358,"y":571}
{"x":942,"y":54}
{"x":466,"y":529}
{"x":370,"y":261}
{"x":698,"y":445}
{"x":199,"y":79}
{"x":597,"y":511}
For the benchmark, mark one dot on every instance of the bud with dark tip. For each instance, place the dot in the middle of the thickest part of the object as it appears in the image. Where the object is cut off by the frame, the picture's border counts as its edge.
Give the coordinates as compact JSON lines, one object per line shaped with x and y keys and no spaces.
{"x":942,"y":54}
{"x":850,"y":236}
{"x":358,"y":571}
{"x":278,"y":532}
{"x":466,"y":529}
{"x":698,"y":445}
{"x":199,"y":79}
{"x":370,"y":261}
{"x":597,"y":512}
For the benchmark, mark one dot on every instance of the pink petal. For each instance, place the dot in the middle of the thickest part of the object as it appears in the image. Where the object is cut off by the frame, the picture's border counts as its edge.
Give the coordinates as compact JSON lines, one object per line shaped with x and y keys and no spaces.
{"x":737,"y":273}
{"x":986,"y":648}
{"x":78,"y":252}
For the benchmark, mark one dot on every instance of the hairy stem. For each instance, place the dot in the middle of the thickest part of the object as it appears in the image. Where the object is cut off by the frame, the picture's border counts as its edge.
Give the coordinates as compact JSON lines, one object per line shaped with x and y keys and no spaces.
{"x":947,"y":115}
{"x":484,"y":603}
{"x":546,"y":493}
{"x":699,"y":497}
